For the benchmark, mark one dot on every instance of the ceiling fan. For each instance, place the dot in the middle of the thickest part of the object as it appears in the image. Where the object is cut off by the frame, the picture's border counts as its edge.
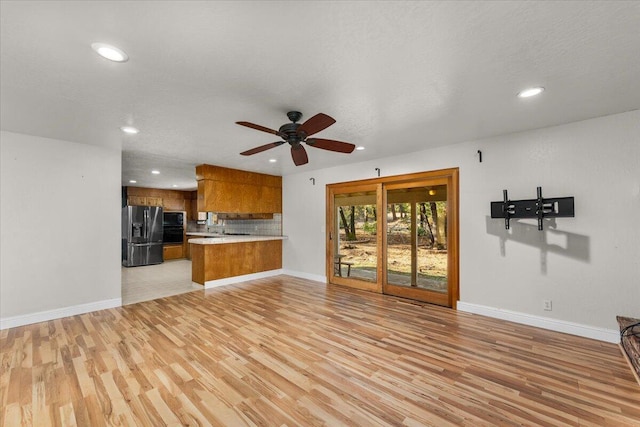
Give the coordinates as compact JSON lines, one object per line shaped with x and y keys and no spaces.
{"x":295,"y":134}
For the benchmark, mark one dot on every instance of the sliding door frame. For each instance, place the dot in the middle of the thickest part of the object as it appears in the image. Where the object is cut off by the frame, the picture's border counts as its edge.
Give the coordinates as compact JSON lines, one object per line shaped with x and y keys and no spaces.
{"x":452,"y":177}
{"x":416,"y":292}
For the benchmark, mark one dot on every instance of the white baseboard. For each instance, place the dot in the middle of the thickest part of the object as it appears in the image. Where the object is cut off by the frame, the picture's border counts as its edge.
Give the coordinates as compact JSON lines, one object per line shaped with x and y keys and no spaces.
{"x":237,"y":279}
{"x":586,"y":331}
{"x":43,"y":316}
{"x":308,"y":276}
{"x":264,"y":274}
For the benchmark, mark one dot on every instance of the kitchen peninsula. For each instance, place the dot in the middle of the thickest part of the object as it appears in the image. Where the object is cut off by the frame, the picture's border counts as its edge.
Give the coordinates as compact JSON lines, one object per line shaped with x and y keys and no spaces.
{"x":243,"y":200}
{"x":217,"y":257}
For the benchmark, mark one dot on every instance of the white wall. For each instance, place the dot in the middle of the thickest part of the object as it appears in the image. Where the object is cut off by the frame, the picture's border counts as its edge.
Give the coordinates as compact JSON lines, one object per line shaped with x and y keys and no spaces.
{"x":589,"y":266}
{"x":59,"y":228}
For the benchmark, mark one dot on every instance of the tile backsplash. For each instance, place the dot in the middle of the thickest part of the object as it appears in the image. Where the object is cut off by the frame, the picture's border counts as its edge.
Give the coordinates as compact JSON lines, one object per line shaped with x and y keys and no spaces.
{"x":262,"y":227}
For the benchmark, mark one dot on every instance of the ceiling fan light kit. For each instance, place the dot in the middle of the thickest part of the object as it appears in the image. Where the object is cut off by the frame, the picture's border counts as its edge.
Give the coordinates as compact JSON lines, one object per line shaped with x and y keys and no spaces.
{"x":295,"y":134}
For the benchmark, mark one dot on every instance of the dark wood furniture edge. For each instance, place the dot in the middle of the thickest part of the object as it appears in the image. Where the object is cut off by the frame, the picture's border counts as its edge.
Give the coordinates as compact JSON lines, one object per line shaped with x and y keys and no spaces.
{"x":628,"y":324}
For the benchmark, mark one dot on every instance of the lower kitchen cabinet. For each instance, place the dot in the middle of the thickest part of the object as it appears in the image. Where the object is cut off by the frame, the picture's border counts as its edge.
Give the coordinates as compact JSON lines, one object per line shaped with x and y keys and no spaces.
{"x":224,"y":260}
{"x":173,"y":252}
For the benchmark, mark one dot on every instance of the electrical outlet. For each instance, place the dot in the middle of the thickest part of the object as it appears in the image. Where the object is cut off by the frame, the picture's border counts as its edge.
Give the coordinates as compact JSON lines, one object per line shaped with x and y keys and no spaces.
{"x":546,"y":304}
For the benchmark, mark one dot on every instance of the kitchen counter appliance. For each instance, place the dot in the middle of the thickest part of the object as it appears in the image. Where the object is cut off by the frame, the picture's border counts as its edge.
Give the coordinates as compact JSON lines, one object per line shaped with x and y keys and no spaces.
{"x":173,"y":227}
{"x":141,"y":235}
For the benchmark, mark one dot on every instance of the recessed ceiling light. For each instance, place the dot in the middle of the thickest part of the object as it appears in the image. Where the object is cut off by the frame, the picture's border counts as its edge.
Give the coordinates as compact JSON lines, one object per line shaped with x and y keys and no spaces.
{"x":360,"y":148}
{"x":533,"y":91}
{"x":272,"y":160}
{"x":110,"y":52}
{"x":155,"y":172}
{"x":174,"y":185}
{"x":130,"y":130}
{"x":132,"y":181}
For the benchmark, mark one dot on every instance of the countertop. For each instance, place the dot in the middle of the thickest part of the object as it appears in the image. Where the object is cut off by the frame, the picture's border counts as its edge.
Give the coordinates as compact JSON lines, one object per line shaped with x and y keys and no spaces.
{"x":217,"y":239}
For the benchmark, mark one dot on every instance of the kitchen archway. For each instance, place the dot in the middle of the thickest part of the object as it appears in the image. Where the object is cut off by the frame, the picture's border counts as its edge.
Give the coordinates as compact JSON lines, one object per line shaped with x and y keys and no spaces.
{"x":396,"y":235}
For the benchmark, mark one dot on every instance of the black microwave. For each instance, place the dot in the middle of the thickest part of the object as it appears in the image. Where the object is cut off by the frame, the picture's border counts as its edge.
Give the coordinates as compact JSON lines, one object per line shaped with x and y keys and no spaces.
{"x":173,"y":219}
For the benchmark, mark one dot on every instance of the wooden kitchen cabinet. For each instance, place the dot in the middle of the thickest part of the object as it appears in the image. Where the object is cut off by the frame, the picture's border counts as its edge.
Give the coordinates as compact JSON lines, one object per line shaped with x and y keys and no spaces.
{"x":187,"y":246}
{"x":235,"y":191}
{"x":154,"y":201}
{"x":144,"y":201}
{"x":172,"y":252}
{"x":221,"y":261}
{"x":169,"y":200}
{"x":245,"y":216}
{"x":137,"y":201}
{"x":173,"y":204}
{"x":191,"y":207}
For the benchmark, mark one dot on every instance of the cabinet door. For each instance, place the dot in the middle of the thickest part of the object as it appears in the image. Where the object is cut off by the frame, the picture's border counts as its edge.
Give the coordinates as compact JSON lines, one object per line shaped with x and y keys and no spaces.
{"x":137,"y":201}
{"x":271,"y":200}
{"x":205,"y":202}
{"x":173,"y":252}
{"x":194,"y":210}
{"x":173,"y":204}
{"x":250,"y":198}
{"x":154,"y":201}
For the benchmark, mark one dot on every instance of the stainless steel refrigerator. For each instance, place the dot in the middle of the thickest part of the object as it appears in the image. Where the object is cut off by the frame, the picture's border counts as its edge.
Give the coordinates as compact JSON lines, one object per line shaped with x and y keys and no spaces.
{"x":141,"y":235}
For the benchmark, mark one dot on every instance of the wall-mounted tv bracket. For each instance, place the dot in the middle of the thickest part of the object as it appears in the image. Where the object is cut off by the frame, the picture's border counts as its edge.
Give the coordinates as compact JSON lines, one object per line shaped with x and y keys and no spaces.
{"x":532,"y":208}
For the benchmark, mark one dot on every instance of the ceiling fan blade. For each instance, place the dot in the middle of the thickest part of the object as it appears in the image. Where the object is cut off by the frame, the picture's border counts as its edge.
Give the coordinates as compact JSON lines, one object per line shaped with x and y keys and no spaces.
{"x":261,"y":148}
{"x":299,"y":155}
{"x":315,"y":124}
{"x":258,"y":127}
{"x":331,"y":145}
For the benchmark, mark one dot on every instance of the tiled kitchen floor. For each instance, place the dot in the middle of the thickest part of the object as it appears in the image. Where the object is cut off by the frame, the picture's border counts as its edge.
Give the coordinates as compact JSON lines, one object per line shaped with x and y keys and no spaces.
{"x":157,"y":281}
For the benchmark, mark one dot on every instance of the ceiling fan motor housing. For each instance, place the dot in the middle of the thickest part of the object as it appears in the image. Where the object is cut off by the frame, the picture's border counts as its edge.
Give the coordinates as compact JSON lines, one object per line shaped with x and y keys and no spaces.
{"x":289,"y":131}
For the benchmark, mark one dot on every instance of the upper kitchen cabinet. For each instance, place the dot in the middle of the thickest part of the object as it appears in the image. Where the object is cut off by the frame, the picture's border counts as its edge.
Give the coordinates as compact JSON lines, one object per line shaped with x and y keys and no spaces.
{"x":169,"y":200}
{"x":173,"y":204}
{"x":155,"y":201}
{"x":236,"y":191}
{"x":144,"y":201}
{"x":136,"y":201}
{"x":190,"y":207}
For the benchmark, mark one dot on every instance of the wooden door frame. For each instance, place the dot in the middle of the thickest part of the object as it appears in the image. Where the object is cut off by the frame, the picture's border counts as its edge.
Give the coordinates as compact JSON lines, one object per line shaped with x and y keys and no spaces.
{"x":453,"y":242}
{"x":355,"y":187}
{"x":451,"y":298}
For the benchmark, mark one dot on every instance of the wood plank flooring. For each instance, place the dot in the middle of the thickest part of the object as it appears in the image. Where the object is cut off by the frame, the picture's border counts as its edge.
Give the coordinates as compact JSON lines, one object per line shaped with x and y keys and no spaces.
{"x":289,"y":352}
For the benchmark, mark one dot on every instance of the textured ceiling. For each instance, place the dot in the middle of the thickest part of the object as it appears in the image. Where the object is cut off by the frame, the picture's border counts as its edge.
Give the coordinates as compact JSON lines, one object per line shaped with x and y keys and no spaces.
{"x":397,"y":76}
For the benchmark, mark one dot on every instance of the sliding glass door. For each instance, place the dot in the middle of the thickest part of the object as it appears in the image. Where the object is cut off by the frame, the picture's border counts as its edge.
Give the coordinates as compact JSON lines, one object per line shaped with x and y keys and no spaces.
{"x":417,"y":241}
{"x":354,"y":248}
{"x":396,"y":235}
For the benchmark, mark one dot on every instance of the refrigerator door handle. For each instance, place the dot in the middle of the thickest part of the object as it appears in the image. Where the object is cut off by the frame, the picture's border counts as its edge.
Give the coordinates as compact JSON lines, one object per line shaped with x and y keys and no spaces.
{"x":145,"y":226}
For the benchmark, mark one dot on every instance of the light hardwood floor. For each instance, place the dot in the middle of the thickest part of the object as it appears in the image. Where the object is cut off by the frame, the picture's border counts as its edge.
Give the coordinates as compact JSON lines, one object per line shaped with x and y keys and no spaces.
{"x":289,"y":352}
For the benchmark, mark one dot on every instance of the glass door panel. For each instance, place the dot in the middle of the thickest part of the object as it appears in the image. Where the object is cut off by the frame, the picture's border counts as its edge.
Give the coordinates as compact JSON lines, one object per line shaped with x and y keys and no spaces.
{"x":416,"y":241}
{"x":432,"y":259}
{"x":400,"y":234}
{"x":354,"y":245}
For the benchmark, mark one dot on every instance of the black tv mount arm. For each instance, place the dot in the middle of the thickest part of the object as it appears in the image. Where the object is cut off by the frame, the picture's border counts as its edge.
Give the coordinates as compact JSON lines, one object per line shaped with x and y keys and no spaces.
{"x":532,"y":208}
